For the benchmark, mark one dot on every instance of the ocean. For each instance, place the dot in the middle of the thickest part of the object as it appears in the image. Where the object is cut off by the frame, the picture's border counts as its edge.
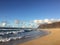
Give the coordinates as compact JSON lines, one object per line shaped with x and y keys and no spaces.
{"x":9,"y":35}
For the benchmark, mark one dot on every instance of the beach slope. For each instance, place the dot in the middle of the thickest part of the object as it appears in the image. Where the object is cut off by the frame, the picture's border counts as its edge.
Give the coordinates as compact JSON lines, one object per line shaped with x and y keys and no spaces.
{"x":51,"y":39}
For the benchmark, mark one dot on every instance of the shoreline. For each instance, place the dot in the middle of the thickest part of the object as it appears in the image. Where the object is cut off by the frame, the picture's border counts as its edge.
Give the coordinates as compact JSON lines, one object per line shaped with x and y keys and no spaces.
{"x":32,"y":36}
{"x":52,"y":39}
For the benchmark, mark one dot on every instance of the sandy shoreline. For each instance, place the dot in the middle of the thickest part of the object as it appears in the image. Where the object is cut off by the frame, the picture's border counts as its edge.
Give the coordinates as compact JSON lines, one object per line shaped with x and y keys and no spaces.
{"x":51,"y":39}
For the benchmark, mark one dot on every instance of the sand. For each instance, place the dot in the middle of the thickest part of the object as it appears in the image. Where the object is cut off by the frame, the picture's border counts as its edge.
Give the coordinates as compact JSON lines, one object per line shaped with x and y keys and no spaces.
{"x":52,"y":39}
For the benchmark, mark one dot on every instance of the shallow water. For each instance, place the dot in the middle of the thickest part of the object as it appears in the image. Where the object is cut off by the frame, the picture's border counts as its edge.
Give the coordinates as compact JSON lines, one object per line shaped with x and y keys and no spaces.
{"x":23,"y":37}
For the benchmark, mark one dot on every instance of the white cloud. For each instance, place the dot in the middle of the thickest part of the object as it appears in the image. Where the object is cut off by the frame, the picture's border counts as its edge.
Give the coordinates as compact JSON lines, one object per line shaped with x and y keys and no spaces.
{"x":54,"y":20}
{"x":38,"y":21}
{"x":3,"y":24}
{"x":58,"y":19}
{"x":46,"y":21}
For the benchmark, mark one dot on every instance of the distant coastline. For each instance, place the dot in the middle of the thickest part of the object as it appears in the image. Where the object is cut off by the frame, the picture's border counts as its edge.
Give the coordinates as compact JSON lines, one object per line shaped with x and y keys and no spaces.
{"x":49,"y":26}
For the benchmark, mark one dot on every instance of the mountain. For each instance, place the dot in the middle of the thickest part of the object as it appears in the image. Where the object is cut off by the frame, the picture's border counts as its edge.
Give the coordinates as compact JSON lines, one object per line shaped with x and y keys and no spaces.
{"x":51,"y":25}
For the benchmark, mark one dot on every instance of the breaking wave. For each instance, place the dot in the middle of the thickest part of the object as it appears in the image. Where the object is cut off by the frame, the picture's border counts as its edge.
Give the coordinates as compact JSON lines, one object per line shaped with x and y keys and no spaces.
{"x":7,"y":35}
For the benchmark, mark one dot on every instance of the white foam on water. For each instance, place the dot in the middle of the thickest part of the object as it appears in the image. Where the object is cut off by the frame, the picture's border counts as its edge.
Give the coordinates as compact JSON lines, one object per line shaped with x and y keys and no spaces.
{"x":14,"y":38}
{"x":8,"y":39}
{"x":5,"y":40}
{"x":2,"y":39}
{"x":14,"y":32}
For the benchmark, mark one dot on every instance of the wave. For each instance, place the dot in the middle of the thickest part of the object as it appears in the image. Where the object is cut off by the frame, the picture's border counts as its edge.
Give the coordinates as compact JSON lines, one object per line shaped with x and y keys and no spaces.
{"x":11,"y":38}
{"x":10,"y":35}
{"x":5,"y":40}
{"x":13,"y":32}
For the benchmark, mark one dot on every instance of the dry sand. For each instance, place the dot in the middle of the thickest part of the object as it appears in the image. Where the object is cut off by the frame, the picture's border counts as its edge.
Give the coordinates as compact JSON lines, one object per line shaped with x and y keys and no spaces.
{"x":52,"y":39}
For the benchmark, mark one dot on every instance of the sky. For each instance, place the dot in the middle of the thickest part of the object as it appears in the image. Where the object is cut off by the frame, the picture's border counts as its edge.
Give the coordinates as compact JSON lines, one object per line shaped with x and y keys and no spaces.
{"x":29,"y":9}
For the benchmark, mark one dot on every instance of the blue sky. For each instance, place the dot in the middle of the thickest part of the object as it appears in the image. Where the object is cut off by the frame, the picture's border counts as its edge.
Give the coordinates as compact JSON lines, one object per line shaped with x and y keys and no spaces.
{"x":29,"y":9}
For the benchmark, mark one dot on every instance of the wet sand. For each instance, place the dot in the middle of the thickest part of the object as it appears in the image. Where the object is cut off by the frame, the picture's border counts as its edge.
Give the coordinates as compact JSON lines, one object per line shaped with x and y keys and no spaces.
{"x":32,"y":36}
{"x":52,"y":39}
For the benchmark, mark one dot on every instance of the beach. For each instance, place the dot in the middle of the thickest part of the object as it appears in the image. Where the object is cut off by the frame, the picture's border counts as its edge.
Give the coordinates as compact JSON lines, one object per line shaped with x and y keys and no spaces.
{"x":51,"y":39}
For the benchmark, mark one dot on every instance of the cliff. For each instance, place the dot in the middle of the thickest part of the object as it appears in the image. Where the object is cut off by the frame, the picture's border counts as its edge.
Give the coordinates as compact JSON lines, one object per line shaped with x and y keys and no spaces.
{"x":52,"y":25}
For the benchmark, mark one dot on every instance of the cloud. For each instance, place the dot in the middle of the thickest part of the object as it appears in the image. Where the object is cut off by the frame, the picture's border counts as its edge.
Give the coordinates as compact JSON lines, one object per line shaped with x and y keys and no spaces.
{"x":38,"y":21}
{"x":4,"y":24}
{"x":46,"y":21}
